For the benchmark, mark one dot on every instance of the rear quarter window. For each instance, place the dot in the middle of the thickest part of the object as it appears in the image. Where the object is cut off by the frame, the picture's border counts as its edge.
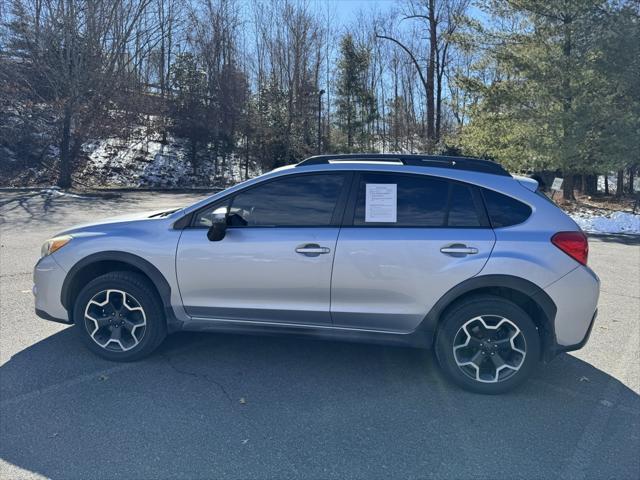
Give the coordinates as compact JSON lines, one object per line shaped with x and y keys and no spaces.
{"x":503,"y":210}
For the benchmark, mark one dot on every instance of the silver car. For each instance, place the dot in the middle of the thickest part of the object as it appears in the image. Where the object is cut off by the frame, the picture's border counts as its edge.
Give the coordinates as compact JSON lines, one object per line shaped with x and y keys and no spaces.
{"x":453,"y":254}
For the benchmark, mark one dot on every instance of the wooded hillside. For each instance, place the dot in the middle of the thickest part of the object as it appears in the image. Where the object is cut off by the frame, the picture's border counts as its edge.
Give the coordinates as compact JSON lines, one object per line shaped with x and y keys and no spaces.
{"x":536,"y":85}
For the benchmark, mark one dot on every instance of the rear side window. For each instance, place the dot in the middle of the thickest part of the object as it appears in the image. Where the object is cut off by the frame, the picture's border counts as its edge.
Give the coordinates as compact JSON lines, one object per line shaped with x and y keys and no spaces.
{"x":504,"y":211}
{"x":421,"y":201}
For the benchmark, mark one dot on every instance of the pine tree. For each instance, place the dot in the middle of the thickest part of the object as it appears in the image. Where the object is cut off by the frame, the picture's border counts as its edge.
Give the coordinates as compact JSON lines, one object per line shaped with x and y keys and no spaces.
{"x":560,"y":96}
{"x":356,"y":103}
{"x":189,"y":110}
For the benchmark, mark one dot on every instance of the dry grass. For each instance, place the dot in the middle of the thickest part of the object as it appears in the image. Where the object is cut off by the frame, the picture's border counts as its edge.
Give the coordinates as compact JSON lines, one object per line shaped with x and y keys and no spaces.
{"x":599,"y":203}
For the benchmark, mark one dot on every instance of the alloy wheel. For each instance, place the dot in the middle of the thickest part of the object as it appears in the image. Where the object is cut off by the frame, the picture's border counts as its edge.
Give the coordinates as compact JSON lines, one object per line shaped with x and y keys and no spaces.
{"x":489,"y":348}
{"x":115,"y":320}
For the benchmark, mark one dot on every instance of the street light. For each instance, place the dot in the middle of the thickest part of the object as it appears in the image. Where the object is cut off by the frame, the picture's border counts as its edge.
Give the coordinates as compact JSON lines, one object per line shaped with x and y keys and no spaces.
{"x":320,"y":93}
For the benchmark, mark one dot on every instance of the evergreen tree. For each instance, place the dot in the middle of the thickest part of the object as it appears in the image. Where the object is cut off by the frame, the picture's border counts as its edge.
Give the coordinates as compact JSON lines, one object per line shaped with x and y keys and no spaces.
{"x":356,"y":104}
{"x":272,"y":131}
{"x":550,"y":102}
{"x":189,"y":110}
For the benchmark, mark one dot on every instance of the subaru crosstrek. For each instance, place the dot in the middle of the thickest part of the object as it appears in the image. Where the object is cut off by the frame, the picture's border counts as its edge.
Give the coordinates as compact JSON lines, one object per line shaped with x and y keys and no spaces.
{"x":448,"y":253}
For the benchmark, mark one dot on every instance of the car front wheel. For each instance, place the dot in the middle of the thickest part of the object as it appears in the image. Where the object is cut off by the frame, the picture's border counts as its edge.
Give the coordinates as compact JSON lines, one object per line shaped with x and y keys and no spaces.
{"x":119,"y":316}
{"x":487,"y":345}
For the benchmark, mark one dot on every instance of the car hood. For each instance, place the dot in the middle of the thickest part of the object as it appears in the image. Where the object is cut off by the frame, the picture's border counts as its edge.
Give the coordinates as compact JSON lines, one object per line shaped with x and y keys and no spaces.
{"x":150,"y":216}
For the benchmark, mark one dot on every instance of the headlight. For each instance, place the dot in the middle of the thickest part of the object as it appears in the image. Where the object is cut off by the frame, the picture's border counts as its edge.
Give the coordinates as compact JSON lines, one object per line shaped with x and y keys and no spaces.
{"x":54,"y":244}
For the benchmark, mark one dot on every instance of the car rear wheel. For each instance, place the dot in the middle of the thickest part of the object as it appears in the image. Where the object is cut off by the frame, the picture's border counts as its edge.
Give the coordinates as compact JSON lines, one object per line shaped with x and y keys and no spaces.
{"x":119,"y":316}
{"x":487,"y":345}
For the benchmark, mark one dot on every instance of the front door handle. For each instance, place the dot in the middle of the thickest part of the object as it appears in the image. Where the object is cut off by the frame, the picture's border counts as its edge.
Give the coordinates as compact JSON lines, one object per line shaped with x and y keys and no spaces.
{"x":312,"y":250}
{"x":458,"y":249}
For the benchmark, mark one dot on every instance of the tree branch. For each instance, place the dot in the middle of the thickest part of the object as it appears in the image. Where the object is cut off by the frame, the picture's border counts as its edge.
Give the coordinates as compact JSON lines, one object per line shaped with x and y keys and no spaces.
{"x":413,"y":58}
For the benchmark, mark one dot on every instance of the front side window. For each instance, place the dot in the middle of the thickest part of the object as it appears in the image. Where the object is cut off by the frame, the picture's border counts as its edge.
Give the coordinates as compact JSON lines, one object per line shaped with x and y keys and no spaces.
{"x":420,"y":201}
{"x":296,"y":201}
{"x":204,"y":218}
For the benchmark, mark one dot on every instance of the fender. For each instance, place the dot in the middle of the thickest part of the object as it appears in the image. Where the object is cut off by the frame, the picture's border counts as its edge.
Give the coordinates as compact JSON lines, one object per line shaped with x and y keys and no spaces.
{"x":162,"y":286}
{"x":430,"y":323}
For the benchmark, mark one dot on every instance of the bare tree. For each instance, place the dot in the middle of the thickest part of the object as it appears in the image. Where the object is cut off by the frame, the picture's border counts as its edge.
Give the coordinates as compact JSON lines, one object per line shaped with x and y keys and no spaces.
{"x":439,"y":20}
{"x":76,"y":55}
{"x":291,"y":57}
{"x":252,"y":80}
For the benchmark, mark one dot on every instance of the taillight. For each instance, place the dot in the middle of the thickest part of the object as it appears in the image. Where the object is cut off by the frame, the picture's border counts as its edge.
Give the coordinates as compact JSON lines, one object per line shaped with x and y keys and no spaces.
{"x":574,"y":244}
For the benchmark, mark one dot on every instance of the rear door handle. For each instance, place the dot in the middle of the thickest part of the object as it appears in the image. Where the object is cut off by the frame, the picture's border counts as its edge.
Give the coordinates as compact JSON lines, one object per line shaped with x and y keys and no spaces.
{"x":312,"y":250}
{"x":458,"y":250}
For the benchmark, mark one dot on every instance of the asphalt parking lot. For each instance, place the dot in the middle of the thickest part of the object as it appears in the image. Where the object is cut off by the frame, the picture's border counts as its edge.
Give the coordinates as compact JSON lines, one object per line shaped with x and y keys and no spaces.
{"x":223,"y":406}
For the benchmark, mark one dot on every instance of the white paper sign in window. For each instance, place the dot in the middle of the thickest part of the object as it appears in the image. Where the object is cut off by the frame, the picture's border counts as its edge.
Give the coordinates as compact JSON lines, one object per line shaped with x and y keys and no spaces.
{"x":381,"y":203}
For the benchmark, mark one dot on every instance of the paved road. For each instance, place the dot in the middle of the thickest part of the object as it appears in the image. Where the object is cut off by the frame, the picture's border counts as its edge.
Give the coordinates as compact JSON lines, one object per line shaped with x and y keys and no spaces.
{"x":262,"y":407}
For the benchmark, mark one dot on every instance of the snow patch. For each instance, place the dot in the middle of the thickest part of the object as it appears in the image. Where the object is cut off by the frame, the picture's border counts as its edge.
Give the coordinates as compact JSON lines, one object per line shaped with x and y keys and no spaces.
{"x":616,"y":222}
{"x":56,"y":192}
{"x":613,"y":183}
{"x":144,"y":161}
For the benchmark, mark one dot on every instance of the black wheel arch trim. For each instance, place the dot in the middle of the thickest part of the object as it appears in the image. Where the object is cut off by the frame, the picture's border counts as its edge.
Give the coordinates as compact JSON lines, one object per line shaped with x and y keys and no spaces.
{"x":157,"y":278}
{"x":430,"y":323}
{"x":45,"y":316}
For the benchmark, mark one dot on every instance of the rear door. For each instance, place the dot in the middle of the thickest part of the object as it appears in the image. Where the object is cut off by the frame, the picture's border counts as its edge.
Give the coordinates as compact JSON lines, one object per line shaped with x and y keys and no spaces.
{"x":406,"y":240}
{"x":274,"y":264}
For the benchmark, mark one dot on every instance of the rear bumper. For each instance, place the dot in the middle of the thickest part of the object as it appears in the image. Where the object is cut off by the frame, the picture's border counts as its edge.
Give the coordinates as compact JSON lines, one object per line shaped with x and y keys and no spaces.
{"x":576,"y":298}
{"x":581,"y":343}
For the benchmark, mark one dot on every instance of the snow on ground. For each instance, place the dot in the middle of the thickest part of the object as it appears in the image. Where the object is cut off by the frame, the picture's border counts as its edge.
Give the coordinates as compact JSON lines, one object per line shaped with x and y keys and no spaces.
{"x":144,"y":162}
{"x":615,"y":222}
{"x":613,"y":185}
{"x":56,"y":192}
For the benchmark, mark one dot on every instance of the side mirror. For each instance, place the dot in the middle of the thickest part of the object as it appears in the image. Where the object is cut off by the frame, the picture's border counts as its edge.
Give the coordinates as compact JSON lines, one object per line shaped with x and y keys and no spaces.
{"x":218,"y":229}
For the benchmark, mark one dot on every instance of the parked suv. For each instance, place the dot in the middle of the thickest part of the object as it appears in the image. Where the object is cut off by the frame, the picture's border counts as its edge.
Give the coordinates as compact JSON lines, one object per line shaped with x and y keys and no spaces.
{"x":447,"y":253}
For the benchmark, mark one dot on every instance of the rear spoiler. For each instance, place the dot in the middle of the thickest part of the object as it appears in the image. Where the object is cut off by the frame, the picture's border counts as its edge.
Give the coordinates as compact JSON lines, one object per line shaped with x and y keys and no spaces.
{"x":526,"y":182}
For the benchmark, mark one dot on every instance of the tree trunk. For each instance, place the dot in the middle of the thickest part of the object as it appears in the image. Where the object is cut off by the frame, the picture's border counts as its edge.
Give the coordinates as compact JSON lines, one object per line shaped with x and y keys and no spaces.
{"x":64,"y":176}
{"x":567,"y":100}
{"x":567,"y":187}
{"x":590,"y":184}
{"x":194,"y":152}
{"x":246,"y":159}
{"x":431,"y":67}
{"x":606,"y":184}
{"x":631,"y":172}
{"x":440,"y":67}
{"x":349,"y":132}
{"x":438,"y":109}
{"x":620,"y":183}
{"x":396,"y":139}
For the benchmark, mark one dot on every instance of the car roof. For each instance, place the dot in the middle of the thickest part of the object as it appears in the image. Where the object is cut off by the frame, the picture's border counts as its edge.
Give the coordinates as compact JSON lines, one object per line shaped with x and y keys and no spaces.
{"x":415,"y":160}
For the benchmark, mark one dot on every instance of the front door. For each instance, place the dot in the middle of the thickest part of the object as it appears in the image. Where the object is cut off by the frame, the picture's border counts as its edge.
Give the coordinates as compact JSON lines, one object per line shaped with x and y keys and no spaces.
{"x":274,"y":264}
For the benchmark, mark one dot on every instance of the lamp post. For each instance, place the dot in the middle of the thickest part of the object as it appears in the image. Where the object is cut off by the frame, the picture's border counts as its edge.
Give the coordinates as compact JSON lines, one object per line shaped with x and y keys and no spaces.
{"x":320,"y":93}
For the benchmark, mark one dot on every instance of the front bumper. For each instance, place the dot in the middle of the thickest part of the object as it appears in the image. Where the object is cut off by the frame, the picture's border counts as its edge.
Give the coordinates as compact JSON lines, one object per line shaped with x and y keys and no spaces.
{"x":48,"y":277}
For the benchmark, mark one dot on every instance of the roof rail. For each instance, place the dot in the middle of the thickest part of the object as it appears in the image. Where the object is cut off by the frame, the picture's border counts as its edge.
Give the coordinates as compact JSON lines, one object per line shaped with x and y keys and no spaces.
{"x":439,"y":161}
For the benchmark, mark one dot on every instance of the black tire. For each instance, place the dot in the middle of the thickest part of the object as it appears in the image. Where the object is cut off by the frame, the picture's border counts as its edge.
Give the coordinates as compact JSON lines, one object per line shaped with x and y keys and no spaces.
{"x":492,"y":308}
{"x":143,"y":293}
